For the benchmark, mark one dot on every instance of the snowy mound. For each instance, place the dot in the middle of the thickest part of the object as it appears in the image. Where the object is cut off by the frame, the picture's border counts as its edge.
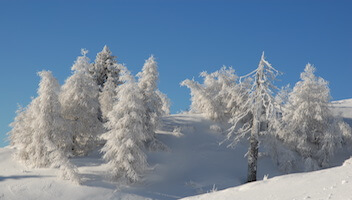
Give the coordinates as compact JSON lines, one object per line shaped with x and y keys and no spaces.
{"x":343,"y":108}
{"x":20,"y":183}
{"x":334,"y":183}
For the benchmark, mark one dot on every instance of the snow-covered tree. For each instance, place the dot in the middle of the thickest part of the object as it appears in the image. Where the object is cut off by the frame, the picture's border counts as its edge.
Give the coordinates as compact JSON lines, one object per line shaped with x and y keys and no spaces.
{"x":217,"y":96}
{"x":125,"y":139}
{"x":152,"y":101}
{"x":21,"y":130}
{"x":256,"y":114}
{"x":201,"y":101}
{"x":105,"y":66}
{"x":106,"y":97}
{"x":42,"y":142}
{"x":165,"y":102}
{"x":309,"y":126}
{"x":105,"y":71}
{"x":80,"y":107}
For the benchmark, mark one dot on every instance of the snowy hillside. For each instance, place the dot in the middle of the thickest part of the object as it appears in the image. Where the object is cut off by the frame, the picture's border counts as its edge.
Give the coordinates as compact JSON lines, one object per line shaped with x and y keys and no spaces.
{"x":195,"y":164}
{"x":333,"y":183}
{"x":343,"y":108}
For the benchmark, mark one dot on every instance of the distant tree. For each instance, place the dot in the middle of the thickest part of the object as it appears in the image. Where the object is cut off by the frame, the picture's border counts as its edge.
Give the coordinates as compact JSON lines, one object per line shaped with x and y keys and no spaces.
{"x":105,"y":66}
{"x":154,"y":101}
{"x":125,"y":139}
{"x":218,"y":96}
{"x":43,"y":138}
{"x":106,"y":97}
{"x":165,"y":102}
{"x":80,"y":106}
{"x":21,"y":127}
{"x":309,"y":126}
{"x":270,"y":138}
{"x":201,"y":101}
{"x":105,"y":71}
{"x":258,"y":111}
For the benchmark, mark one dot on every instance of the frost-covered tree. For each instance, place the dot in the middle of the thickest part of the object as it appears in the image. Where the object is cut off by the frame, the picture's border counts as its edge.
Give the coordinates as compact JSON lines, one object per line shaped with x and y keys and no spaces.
{"x":125,"y":139}
{"x":80,"y":107}
{"x":21,"y":130}
{"x":105,"y":66}
{"x":217,"y":96}
{"x":153,"y":102}
{"x":309,"y":126}
{"x":42,"y":142}
{"x":165,"y":102}
{"x":259,"y":111}
{"x":106,"y":97}
{"x":201,"y":101}
{"x":105,"y":71}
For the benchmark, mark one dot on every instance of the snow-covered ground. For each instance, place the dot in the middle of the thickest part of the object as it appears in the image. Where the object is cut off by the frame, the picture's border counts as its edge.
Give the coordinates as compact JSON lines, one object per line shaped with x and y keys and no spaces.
{"x":195,"y":164}
{"x":333,"y":183}
{"x":343,"y":108}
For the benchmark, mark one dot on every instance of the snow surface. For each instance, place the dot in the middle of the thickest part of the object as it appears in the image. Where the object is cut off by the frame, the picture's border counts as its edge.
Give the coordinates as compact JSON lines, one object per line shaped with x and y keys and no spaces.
{"x":343,"y":108}
{"x":333,"y":183}
{"x":195,"y":164}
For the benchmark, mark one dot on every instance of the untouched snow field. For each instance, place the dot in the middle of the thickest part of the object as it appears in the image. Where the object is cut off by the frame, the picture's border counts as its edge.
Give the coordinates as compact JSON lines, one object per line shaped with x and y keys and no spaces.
{"x":196,"y":164}
{"x":343,"y":108}
{"x":333,"y":183}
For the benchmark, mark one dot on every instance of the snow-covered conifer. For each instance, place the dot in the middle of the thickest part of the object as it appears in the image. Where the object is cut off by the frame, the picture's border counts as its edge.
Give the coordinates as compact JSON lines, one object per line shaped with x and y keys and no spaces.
{"x":125,"y":139}
{"x":165,"y":102}
{"x":80,"y":107}
{"x":104,"y":67}
{"x":201,"y":101}
{"x":42,"y":145}
{"x":106,"y":97}
{"x":105,"y":71}
{"x":309,"y":126}
{"x":217,"y":96}
{"x":259,"y":111}
{"x":152,"y":101}
{"x":21,"y":130}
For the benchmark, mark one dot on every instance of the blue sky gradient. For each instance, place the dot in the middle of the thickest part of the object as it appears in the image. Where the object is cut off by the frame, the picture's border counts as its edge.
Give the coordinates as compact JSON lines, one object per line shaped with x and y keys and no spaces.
{"x":186,"y":37}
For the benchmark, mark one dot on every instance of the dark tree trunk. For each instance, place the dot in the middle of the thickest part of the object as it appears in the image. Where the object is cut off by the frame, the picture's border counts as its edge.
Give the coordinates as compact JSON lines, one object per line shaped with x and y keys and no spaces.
{"x":253,"y":152}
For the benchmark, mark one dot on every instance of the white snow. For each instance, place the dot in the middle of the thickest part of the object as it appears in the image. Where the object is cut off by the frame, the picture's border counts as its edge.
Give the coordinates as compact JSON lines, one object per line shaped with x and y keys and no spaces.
{"x":333,"y":183}
{"x":343,"y":108}
{"x":195,"y":164}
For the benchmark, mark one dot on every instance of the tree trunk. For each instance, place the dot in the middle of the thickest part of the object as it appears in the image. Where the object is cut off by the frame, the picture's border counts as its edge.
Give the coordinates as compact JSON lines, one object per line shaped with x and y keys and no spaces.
{"x":253,"y":152}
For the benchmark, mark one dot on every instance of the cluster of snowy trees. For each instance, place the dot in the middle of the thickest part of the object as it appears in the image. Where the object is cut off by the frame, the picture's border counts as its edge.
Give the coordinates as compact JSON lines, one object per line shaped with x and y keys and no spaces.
{"x":292,"y":126}
{"x":100,"y":104}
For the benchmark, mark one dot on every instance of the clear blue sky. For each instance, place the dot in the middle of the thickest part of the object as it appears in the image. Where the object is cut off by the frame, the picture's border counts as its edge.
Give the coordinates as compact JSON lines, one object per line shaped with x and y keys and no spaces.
{"x":186,"y":36}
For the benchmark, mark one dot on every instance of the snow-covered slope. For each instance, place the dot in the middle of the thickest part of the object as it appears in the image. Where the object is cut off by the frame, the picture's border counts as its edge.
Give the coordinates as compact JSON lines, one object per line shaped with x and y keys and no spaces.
{"x":195,"y":164}
{"x":343,"y":108}
{"x":18,"y":182}
{"x":333,"y":183}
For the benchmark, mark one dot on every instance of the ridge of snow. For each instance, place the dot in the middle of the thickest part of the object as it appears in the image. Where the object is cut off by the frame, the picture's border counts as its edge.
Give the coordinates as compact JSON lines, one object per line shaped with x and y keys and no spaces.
{"x":345,"y":102}
{"x":343,"y":108}
{"x":333,"y":183}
